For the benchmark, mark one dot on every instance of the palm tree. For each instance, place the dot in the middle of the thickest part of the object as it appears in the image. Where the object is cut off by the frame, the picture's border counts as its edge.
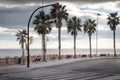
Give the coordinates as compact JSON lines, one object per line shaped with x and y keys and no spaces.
{"x":89,"y":28}
{"x":58,"y":12}
{"x":113,"y":21}
{"x":43,"y":27}
{"x":73,"y":26}
{"x":21,"y":36}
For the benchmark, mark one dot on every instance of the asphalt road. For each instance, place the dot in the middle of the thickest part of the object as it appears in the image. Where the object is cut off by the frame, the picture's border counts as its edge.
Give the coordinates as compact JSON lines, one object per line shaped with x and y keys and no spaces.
{"x":97,"y":69}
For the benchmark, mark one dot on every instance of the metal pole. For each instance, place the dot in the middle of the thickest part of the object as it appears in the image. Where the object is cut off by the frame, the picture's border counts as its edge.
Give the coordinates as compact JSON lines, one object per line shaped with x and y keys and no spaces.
{"x":97,"y":35}
{"x":28,"y":56}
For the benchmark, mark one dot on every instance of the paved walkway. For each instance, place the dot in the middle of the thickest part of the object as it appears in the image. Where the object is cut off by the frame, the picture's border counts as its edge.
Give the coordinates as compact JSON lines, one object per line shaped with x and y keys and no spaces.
{"x":20,"y":68}
{"x":79,"y":69}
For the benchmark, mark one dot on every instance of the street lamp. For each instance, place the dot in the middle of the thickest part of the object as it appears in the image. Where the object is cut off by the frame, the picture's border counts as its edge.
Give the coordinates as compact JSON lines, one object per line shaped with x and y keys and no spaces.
{"x":28,"y":56}
{"x":97,"y":35}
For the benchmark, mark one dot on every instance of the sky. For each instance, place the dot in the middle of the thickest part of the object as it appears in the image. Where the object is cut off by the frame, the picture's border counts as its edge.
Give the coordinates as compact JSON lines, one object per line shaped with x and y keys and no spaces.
{"x":14,"y":16}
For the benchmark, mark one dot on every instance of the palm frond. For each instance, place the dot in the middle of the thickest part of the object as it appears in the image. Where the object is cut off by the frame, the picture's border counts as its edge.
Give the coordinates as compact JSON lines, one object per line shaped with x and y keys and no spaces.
{"x":113,"y":20}
{"x":21,"y":36}
{"x":74,"y":25}
{"x":89,"y":26}
{"x":58,"y":12}
{"x":43,"y":23}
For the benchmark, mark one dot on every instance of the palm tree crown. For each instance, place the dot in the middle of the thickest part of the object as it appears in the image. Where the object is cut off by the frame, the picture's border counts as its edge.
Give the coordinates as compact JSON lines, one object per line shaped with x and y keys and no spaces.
{"x":21,"y":36}
{"x":113,"y":20}
{"x":58,"y":12}
{"x":74,"y":25}
{"x":89,"y":27}
{"x":43,"y":23}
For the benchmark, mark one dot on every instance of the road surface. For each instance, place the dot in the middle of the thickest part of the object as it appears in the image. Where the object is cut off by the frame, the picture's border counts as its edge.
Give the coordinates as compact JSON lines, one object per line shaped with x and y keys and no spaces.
{"x":96,"y":69}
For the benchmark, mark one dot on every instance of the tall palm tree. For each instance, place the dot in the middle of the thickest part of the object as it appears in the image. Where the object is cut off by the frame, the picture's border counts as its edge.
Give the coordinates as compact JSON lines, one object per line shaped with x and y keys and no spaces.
{"x":43,"y":27}
{"x":73,"y":26}
{"x":21,"y":36}
{"x":58,"y":12}
{"x":113,"y":21}
{"x":89,"y":28}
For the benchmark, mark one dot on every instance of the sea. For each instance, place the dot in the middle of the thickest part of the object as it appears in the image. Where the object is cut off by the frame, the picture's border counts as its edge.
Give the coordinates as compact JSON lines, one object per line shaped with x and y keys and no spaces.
{"x":18,"y":52}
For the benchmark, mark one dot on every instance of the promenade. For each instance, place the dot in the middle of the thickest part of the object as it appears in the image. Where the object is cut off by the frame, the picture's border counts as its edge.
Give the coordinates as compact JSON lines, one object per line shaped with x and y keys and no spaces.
{"x":19,"y":68}
{"x":66,"y":69}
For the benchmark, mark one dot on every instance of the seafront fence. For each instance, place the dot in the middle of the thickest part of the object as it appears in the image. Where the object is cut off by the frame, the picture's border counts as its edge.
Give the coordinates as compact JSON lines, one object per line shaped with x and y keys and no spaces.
{"x":37,"y":58}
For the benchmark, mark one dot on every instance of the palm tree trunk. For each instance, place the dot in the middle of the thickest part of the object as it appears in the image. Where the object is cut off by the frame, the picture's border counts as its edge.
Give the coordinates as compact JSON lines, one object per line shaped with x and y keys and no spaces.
{"x":23,"y":55}
{"x":75,"y":46}
{"x":44,"y":48}
{"x":90,"y":46}
{"x":59,"y":41}
{"x":115,"y":55}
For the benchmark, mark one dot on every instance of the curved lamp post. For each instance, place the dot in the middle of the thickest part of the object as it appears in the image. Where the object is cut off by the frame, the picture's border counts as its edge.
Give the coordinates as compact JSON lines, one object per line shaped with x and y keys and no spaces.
{"x":28,"y":56}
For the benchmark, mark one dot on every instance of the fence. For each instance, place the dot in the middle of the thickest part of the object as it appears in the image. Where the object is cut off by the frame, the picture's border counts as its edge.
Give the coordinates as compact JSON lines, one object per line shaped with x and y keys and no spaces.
{"x":35,"y":58}
{"x":17,"y":60}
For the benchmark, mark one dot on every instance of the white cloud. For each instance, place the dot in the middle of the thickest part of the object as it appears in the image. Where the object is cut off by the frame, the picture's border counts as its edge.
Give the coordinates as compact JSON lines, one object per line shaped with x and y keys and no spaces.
{"x":108,"y":6}
{"x":103,"y":27}
{"x":4,"y":30}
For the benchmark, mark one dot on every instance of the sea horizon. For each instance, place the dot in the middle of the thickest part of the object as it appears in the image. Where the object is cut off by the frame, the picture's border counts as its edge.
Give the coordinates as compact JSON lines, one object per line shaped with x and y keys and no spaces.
{"x":37,"y":51}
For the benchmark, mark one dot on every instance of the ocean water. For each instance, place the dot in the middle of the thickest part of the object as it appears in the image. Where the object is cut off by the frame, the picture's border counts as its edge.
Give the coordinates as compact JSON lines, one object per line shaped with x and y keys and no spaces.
{"x":17,"y":52}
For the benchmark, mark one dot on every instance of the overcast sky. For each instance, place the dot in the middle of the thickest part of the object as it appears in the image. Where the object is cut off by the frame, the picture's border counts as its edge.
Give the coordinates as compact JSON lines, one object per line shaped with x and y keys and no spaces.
{"x":14,"y":15}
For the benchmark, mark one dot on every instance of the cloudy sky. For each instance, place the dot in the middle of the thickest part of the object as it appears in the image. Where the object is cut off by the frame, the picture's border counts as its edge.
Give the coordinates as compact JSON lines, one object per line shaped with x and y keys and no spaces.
{"x":14,"y":15}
